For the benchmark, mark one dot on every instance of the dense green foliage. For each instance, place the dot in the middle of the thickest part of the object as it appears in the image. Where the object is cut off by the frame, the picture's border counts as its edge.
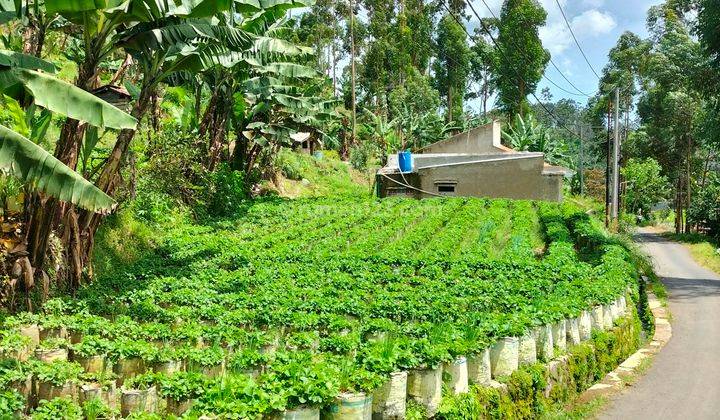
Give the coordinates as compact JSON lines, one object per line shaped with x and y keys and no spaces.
{"x":646,"y":186}
{"x":527,"y":395}
{"x":307,"y":298}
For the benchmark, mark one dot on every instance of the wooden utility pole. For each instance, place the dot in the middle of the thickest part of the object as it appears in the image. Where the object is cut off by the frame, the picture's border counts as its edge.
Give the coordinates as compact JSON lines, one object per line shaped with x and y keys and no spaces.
{"x":581,"y":164}
{"x":616,"y":160}
{"x":352,"y":67}
{"x":607,"y":169}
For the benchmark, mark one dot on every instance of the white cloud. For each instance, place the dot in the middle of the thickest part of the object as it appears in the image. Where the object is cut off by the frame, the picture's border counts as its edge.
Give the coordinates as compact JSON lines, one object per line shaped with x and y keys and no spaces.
{"x":593,"y":22}
{"x":555,"y":37}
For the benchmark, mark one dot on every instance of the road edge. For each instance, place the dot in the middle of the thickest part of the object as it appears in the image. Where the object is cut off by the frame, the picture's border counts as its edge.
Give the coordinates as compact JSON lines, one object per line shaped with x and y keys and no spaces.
{"x":635,"y":365}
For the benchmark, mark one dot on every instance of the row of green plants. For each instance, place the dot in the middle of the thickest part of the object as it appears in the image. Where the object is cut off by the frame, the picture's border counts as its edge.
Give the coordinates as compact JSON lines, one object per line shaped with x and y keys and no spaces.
{"x":298,"y":301}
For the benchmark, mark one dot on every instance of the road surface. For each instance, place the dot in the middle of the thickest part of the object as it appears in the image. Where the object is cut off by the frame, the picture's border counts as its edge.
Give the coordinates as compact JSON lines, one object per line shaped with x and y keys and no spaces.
{"x":684,"y":379}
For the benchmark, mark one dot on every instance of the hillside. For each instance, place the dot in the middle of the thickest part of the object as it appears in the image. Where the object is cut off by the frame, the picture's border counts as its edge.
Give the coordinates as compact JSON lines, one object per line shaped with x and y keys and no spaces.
{"x":296,"y":301}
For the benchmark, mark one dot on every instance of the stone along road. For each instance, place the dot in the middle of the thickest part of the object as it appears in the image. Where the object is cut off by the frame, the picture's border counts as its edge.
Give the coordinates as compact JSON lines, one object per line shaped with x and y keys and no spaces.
{"x":684,"y":379}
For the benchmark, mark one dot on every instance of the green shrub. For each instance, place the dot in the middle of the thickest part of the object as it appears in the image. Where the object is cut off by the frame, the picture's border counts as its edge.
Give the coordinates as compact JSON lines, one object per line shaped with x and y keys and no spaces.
{"x":57,"y":408}
{"x":225,"y":191}
{"x":10,"y":403}
{"x":361,"y":155}
{"x":291,"y":165}
{"x":96,"y":409}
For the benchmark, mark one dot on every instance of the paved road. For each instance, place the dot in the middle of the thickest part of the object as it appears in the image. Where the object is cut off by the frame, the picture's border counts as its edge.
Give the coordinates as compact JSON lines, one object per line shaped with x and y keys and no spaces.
{"x":684,"y":379}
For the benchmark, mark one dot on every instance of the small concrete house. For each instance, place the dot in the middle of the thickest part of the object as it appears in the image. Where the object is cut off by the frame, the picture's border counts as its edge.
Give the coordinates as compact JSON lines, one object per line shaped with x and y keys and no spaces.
{"x":474,"y":164}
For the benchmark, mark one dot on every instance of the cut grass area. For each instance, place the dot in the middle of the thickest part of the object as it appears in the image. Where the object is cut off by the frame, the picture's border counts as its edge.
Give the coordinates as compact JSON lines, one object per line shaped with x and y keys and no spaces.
{"x":588,"y":410}
{"x":703,"y":249}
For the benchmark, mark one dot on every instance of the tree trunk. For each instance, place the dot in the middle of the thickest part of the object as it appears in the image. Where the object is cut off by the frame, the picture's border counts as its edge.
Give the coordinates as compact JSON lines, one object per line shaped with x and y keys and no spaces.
{"x":120,"y":73}
{"x":450,"y":104}
{"x":83,"y":226}
{"x":352,"y":68}
{"x":43,"y":215}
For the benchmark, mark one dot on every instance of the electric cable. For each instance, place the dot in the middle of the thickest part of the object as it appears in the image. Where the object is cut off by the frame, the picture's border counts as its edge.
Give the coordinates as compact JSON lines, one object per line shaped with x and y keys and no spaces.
{"x":487,"y":31}
{"x":567,"y":22}
{"x":552,"y":62}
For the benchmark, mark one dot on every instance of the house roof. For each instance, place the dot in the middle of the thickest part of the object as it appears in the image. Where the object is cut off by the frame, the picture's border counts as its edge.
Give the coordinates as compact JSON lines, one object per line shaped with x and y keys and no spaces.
{"x":118,"y":90}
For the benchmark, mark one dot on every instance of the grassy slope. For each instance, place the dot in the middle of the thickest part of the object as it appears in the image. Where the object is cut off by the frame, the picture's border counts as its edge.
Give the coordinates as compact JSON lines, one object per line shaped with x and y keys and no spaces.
{"x":123,"y":238}
{"x":307,"y":176}
{"x":703,"y":249}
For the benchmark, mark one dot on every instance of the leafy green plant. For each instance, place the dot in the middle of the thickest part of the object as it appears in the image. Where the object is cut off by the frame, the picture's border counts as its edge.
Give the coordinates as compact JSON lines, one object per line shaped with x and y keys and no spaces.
{"x":54,"y":344}
{"x":205,"y":357}
{"x":246,"y":359}
{"x":10,"y":403}
{"x":57,"y":372}
{"x":142,"y":382}
{"x":91,"y":345}
{"x":96,"y":409}
{"x":12,"y":342}
{"x":57,"y":408}
{"x":183,"y":386}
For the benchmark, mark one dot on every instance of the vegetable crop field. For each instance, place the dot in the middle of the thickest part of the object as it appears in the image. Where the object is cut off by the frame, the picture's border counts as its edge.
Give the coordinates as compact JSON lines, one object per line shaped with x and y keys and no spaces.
{"x":296,"y":302}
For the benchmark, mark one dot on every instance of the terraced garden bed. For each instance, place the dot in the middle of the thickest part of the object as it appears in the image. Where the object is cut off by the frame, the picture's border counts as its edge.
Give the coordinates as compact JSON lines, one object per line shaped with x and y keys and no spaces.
{"x":340,"y":307}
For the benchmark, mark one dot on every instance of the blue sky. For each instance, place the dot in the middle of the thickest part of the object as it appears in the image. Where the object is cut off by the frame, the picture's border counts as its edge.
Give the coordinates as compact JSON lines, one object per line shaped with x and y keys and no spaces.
{"x":597,"y":24}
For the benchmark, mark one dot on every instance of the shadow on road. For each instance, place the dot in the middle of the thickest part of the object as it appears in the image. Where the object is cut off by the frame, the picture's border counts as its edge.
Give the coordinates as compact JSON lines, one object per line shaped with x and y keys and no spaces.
{"x":685,"y":289}
{"x":650,"y":238}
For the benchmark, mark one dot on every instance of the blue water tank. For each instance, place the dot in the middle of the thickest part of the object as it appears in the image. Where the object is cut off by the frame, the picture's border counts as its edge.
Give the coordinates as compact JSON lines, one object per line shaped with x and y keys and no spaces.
{"x":405,"y":161}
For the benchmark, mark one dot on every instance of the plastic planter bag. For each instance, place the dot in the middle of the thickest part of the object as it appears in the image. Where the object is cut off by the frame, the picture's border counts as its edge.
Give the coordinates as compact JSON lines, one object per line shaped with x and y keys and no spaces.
{"x":585,"y":326}
{"x":425,"y":387}
{"x":456,"y":374}
{"x":127,"y":368}
{"x":559,"y":333}
{"x":51,"y":355}
{"x":88,"y":392}
{"x":350,"y":406}
{"x":544,"y":343}
{"x":216,"y":371}
{"x":504,"y":356}
{"x":479,"y":372}
{"x":33,"y":333}
{"x":622,"y":305}
{"x":48,"y":390}
{"x":56,"y":332}
{"x":300,"y":413}
{"x":177,"y":408}
{"x":138,"y":401}
{"x":572,"y":326}
{"x":389,"y":399}
{"x":598,"y":318}
{"x":527,"y":349}
{"x":614,"y":310}
{"x":608,"y":320}
{"x":168,"y":368}
{"x":91,"y":364}
{"x":23,"y":386}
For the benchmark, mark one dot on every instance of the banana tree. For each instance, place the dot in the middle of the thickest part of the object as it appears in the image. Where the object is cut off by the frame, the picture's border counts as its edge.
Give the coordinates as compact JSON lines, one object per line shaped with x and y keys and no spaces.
{"x":21,"y":81}
{"x":106,"y":27}
{"x":26,"y":79}
{"x":526,"y":134}
{"x":36,"y":22}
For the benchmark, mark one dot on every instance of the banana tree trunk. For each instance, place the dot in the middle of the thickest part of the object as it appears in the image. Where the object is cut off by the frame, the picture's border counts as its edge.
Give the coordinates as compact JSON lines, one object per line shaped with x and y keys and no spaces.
{"x":42,"y":214}
{"x":83,"y":225}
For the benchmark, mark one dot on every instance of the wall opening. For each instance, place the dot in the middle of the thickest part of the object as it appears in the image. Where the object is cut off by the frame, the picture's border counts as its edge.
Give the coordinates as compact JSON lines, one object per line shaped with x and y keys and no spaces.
{"x":446,"y":187}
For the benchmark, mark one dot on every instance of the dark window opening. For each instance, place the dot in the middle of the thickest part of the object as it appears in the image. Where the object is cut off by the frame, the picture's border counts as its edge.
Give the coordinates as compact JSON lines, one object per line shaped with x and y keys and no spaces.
{"x":446,"y":188}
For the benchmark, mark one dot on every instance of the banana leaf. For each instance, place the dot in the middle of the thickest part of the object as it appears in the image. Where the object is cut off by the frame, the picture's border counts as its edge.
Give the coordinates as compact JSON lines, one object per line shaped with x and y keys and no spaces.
{"x":25,"y":61}
{"x":32,"y":164}
{"x":63,"y":98}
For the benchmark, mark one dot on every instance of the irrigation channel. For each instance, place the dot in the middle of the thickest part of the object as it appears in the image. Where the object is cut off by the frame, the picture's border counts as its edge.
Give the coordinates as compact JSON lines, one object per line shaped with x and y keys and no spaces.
{"x":684,"y":379}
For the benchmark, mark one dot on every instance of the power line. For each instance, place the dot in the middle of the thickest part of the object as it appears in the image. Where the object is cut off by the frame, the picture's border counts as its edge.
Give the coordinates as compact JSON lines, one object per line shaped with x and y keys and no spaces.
{"x":487,"y":31}
{"x":575,"y":38}
{"x":552,"y":62}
